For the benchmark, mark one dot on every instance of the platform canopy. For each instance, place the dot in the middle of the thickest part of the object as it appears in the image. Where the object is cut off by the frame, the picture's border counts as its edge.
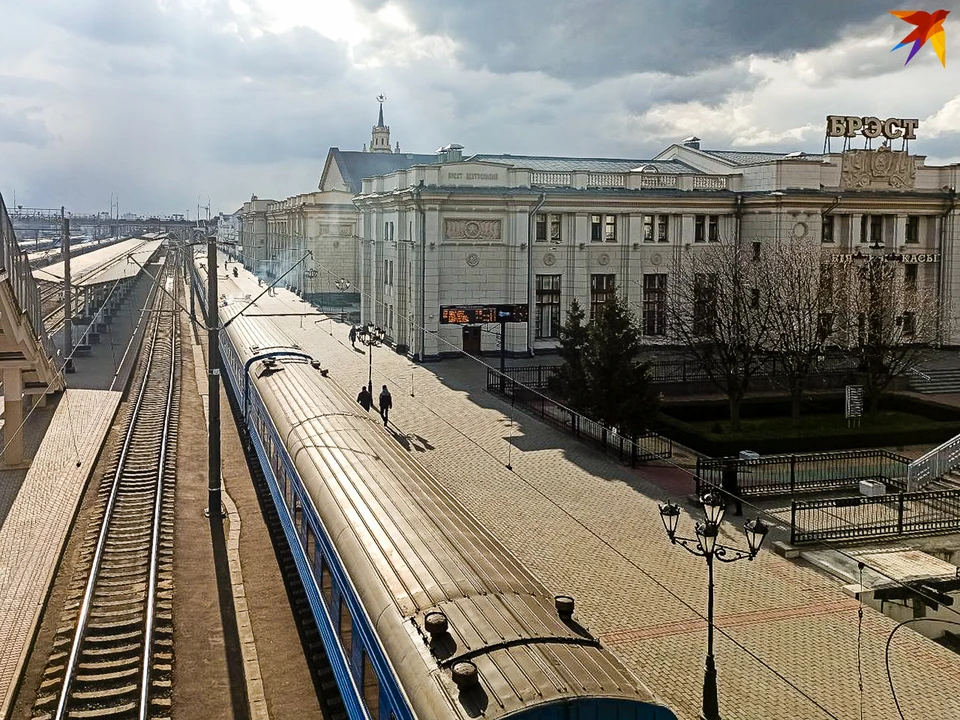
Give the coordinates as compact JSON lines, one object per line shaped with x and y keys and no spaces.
{"x":112,"y":263}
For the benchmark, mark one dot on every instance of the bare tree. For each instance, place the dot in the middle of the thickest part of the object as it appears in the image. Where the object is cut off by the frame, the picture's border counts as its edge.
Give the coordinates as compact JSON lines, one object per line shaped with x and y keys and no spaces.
{"x":888,"y":319}
{"x":798,"y":279}
{"x":719,"y":313}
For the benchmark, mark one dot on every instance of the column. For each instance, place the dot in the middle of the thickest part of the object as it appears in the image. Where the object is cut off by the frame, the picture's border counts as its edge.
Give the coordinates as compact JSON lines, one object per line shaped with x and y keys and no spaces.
{"x":899,"y":231}
{"x":856,"y":221}
{"x":13,"y":415}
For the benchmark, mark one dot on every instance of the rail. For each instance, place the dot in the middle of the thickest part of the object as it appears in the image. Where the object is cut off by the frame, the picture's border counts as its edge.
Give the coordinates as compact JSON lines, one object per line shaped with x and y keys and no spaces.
{"x":935,"y":464}
{"x":803,"y":472}
{"x":860,"y":518}
{"x":20,"y":277}
{"x":642,"y":448}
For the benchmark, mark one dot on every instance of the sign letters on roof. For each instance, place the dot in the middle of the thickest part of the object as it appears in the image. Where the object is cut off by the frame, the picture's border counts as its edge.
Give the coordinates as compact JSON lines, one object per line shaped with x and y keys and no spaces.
{"x":871,"y":127}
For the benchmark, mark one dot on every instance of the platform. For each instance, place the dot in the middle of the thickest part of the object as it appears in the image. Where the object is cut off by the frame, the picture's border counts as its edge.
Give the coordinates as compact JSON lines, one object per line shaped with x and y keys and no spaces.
{"x":590,"y":527}
{"x":106,"y":265}
{"x":35,"y":529}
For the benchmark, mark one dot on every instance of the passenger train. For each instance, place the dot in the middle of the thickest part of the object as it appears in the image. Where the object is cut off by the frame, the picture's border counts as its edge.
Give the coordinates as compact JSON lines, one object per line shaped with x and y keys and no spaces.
{"x":423,"y":612}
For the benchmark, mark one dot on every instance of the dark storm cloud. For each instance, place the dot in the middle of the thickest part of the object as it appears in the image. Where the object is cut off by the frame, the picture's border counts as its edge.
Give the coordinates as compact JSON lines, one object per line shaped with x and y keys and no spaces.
{"x":581,"y":40}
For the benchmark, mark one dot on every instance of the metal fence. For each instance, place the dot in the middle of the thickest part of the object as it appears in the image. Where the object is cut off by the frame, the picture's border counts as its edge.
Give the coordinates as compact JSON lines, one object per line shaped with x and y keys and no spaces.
{"x":20,"y":277}
{"x":684,"y":370}
{"x":935,"y":464}
{"x":645,"y":447}
{"x":862,"y":518}
{"x":804,"y":472}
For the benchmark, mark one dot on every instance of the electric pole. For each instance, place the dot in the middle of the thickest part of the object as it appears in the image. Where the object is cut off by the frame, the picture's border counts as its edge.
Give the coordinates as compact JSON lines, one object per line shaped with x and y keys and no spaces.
{"x":67,"y":293}
{"x":213,"y":383}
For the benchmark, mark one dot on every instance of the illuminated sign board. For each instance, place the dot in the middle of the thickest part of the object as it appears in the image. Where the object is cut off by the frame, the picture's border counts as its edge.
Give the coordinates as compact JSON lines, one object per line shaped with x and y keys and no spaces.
{"x":468,"y":314}
{"x":871,"y":127}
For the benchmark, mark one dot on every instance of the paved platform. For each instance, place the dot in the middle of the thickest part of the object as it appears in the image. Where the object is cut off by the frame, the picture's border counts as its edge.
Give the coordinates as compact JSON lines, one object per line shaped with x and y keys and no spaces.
{"x":39,"y":519}
{"x":787,"y":645}
{"x":105,"y":265}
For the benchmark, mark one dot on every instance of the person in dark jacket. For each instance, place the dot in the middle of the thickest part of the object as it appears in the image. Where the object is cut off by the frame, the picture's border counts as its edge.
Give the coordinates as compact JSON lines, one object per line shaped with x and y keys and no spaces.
{"x":386,"y":402}
{"x":731,"y":484}
{"x":365,"y":398}
{"x":353,"y":336}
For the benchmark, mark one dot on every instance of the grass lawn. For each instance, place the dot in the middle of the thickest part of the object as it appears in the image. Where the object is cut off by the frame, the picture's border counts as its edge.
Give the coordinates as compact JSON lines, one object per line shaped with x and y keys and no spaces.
{"x":832,"y":425}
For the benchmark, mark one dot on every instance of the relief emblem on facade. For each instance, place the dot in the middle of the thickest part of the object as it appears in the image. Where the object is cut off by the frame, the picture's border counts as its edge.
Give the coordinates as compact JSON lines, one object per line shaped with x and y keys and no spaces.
{"x":346,"y":230}
{"x":473,"y":259}
{"x":463,"y":229}
{"x":879,"y":169}
{"x":604,"y":259}
{"x":549,"y":259}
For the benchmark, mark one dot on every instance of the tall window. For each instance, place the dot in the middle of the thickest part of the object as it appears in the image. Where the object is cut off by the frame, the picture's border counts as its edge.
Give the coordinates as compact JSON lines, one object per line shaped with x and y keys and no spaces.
{"x":913,"y":229}
{"x":601,"y":288}
{"x":548,"y":306}
{"x":648,"y":228}
{"x":826,"y":229}
{"x":548,"y":228}
{"x":714,"y":228}
{"x":910,"y":276}
{"x":663,"y":228}
{"x":909,"y":324}
{"x":704,"y":303}
{"x":346,"y":627}
{"x":603,"y":228}
{"x":371,"y":687}
{"x":655,"y":304}
{"x":700,"y":228}
{"x":864,"y":229}
{"x":871,"y":229}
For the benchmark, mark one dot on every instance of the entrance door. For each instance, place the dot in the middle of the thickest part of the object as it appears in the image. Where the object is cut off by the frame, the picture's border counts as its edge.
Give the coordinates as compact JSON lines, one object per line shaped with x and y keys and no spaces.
{"x":471,"y":339}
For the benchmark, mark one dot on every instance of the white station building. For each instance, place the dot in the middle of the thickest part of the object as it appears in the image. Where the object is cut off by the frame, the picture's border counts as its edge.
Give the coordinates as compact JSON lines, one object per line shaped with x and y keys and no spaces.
{"x":414,"y":233}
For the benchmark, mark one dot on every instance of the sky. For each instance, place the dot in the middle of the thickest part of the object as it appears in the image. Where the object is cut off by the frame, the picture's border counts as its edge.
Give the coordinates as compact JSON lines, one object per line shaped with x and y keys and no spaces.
{"x":164,"y":105}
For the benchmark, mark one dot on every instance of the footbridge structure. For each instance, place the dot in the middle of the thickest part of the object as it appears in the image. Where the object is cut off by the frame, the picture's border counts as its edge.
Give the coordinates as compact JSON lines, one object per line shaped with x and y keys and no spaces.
{"x":29,"y":365}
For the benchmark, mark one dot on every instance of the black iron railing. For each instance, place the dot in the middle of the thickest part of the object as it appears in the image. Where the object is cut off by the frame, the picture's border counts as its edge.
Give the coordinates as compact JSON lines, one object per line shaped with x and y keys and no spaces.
{"x":645,"y":447}
{"x":861,"y":518}
{"x":804,"y":472}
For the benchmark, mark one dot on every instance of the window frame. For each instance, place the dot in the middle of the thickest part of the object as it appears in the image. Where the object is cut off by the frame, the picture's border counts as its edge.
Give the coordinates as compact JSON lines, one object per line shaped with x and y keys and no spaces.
{"x":654,"y":304}
{"x":602,"y":287}
{"x":699,"y":228}
{"x":548,"y":300}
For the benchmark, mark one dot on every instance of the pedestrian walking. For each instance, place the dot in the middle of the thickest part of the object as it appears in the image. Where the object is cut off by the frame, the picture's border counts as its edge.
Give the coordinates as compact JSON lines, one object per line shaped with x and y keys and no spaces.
{"x":353,"y":336}
{"x":365,"y":398}
{"x":386,"y":402}
{"x":731,"y":484}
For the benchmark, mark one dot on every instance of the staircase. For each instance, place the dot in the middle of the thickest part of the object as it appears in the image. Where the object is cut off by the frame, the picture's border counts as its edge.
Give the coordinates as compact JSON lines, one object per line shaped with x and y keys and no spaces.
{"x":941,"y":381}
{"x":950,"y":481}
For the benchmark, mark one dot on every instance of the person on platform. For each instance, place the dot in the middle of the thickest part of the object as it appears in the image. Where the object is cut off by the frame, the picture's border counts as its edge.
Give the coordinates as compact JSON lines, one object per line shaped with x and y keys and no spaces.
{"x":386,"y":402}
{"x":365,"y":398}
{"x":353,"y":336}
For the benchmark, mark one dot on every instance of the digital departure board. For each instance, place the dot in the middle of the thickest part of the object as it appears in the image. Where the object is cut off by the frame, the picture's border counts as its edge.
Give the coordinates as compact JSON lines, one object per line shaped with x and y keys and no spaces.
{"x":468,"y":314}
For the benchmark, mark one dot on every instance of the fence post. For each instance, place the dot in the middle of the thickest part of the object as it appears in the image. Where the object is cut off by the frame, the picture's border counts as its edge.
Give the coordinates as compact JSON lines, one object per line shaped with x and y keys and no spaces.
{"x":621,"y":447}
{"x":603,"y":438}
{"x":793,"y":521}
{"x":900,"y":513}
{"x":793,"y":475}
{"x":697,"y":476}
{"x":633,"y":451}
{"x":683,"y":369}
{"x":540,"y":376}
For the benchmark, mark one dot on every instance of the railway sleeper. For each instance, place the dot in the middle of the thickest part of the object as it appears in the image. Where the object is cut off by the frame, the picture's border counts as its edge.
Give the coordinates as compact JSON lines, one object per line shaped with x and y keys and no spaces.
{"x":102,"y":694}
{"x":103,"y":677}
{"x":98,"y":640}
{"x":118,"y":626}
{"x":130,"y":661}
{"x":94,"y":652}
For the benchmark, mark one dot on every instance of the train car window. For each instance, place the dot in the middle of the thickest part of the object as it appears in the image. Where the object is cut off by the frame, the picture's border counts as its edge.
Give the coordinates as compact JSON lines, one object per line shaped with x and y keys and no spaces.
{"x":371,"y":688}
{"x":297,"y":515}
{"x":326,"y":581}
{"x":311,"y":547}
{"x":346,"y":628}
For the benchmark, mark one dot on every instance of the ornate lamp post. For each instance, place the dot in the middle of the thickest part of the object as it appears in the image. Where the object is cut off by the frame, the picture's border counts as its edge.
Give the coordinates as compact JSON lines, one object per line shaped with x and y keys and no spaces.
{"x":705,"y":545}
{"x":370,"y":335}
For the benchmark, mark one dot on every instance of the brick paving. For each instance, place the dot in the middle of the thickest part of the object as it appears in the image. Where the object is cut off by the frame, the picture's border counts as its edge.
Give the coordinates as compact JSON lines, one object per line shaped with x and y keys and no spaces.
{"x":39,"y":519}
{"x":589,"y":527}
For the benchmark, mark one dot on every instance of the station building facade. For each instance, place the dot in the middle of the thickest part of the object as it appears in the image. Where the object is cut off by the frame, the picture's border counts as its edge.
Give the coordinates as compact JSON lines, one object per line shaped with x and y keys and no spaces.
{"x":412,"y":233}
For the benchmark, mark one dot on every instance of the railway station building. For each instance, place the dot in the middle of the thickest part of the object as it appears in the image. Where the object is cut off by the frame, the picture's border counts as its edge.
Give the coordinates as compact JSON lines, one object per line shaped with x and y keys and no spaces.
{"x":419,"y":232}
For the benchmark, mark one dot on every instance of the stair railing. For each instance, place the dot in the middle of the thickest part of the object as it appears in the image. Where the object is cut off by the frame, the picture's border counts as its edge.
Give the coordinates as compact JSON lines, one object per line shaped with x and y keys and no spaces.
{"x":935,"y":464}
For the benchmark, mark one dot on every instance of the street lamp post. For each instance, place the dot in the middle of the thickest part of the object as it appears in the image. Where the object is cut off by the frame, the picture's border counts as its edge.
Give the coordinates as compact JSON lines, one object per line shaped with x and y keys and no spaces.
{"x":370,"y":335}
{"x":705,"y":545}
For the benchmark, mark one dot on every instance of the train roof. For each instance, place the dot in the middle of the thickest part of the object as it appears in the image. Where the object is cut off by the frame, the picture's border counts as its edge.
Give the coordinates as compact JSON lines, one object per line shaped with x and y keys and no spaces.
{"x":412,"y":550}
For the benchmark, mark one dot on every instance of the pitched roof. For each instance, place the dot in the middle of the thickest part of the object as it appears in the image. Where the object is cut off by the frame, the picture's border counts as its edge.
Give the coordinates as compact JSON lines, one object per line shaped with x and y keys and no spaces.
{"x":751,"y":157}
{"x":356,"y":165}
{"x":572,"y":164}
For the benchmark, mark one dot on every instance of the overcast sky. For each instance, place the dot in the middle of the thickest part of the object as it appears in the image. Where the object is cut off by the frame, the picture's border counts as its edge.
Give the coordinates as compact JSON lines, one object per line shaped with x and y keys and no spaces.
{"x":162,"y":101}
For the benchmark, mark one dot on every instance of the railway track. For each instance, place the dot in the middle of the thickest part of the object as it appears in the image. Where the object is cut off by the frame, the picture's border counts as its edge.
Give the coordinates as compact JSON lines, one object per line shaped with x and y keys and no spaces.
{"x":113,"y":652}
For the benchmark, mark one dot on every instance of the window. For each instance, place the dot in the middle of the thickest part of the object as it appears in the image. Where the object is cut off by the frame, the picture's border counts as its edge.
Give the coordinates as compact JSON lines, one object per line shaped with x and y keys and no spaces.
{"x":876,"y":229}
{"x":909,"y":324}
{"x":913,"y":229}
{"x":601,"y":288}
{"x":371,"y":688}
{"x":548,"y":228}
{"x":648,"y":228}
{"x":311,"y":547}
{"x":826,"y":284}
{"x":390,"y":318}
{"x":757,"y":249}
{"x":548,"y":306}
{"x":603,"y":228}
{"x":910,"y":276}
{"x":826,"y":229}
{"x":704,"y":303}
{"x":346,"y":627}
{"x":754,"y":298}
{"x":655,"y":304}
{"x":714,"y":228}
{"x":326,"y":581}
{"x":297,"y":515}
{"x":663,"y":228}
{"x":391,"y":273}
{"x":864,"y":228}
{"x":700,"y":228}
{"x":824,"y":325}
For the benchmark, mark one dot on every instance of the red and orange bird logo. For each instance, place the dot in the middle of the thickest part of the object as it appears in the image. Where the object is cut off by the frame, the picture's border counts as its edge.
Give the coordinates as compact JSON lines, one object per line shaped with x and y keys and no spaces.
{"x":929,"y":27}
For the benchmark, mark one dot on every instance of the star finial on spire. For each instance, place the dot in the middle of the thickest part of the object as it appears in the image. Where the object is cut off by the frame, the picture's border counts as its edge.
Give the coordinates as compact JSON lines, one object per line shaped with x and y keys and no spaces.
{"x":380,"y":98}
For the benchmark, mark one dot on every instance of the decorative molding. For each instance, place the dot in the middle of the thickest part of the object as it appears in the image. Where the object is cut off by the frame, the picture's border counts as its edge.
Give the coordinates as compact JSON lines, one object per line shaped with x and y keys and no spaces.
{"x":800,"y":230}
{"x":656,"y":259}
{"x":346,"y":229}
{"x":336,"y":244}
{"x":466,"y":229}
{"x":549,"y":259}
{"x":473,"y":260}
{"x":604,"y":259}
{"x":883,"y":168}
